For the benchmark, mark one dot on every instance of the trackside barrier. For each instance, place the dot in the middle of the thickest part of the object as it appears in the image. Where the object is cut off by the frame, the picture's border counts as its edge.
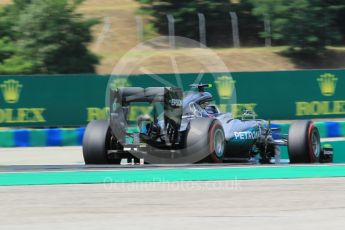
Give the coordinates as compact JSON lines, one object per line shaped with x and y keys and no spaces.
{"x":74,"y":100}
{"x":74,"y":136}
{"x":41,"y":137}
{"x":326,"y":129}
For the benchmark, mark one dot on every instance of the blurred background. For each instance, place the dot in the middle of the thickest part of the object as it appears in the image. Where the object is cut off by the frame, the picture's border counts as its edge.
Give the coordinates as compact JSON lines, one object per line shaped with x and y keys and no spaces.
{"x":285,"y":58}
{"x":86,"y":36}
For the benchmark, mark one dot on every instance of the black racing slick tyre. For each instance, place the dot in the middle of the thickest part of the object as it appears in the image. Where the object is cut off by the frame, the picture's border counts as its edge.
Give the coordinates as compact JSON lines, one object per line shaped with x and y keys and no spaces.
{"x":206,"y":136}
{"x":303,"y":142}
{"x":97,"y":142}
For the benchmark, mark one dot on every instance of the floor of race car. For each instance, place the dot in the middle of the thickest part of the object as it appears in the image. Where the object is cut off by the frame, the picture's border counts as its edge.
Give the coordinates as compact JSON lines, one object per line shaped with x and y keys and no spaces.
{"x":224,"y":196}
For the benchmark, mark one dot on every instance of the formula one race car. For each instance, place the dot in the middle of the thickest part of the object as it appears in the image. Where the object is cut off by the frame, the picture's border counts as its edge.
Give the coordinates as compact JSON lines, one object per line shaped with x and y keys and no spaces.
{"x":189,"y":129}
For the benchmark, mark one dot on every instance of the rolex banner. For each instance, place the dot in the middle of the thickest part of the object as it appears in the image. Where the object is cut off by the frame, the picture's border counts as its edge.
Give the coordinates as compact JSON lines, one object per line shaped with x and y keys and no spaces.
{"x":49,"y":101}
{"x":74,"y":100}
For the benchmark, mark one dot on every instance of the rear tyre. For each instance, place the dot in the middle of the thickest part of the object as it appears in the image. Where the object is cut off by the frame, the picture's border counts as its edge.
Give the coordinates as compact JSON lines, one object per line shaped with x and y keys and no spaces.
{"x":96,"y":143}
{"x":206,"y":136}
{"x":303,"y":142}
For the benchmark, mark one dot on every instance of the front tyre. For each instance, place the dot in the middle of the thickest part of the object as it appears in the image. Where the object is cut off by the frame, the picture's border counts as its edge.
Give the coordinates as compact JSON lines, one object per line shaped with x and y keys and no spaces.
{"x":217,"y":142}
{"x":303,"y":142}
{"x":96,"y":143}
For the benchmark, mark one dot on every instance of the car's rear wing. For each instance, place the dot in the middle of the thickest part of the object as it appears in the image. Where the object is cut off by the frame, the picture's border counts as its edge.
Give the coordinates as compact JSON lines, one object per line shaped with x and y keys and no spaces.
{"x":121,"y":98}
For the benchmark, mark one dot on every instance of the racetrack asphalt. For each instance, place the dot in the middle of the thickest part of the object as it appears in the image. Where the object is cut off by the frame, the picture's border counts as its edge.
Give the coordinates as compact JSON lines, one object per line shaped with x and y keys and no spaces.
{"x":238,"y":204}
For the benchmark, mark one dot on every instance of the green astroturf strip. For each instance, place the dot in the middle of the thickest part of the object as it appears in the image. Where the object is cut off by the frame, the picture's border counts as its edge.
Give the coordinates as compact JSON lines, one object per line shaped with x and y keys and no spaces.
{"x":171,"y":175}
{"x":338,"y":150}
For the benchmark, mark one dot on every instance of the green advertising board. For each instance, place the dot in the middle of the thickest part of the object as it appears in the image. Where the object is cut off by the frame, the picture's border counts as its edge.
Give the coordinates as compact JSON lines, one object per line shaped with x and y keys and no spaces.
{"x":49,"y":100}
{"x":74,"y":100}
{"x":294,"y":94}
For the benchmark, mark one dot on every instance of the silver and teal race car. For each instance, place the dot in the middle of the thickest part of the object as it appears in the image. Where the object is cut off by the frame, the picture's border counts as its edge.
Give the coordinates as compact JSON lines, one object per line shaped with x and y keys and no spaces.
{"x":185,"y":128}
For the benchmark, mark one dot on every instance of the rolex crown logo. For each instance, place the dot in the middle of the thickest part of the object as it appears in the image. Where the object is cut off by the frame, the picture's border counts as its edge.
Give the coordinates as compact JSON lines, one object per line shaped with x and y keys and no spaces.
{"x":327,"y":83}
{"x":225,"y":85}
{"x":11,"y":90}
{"x":119,"y":82}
